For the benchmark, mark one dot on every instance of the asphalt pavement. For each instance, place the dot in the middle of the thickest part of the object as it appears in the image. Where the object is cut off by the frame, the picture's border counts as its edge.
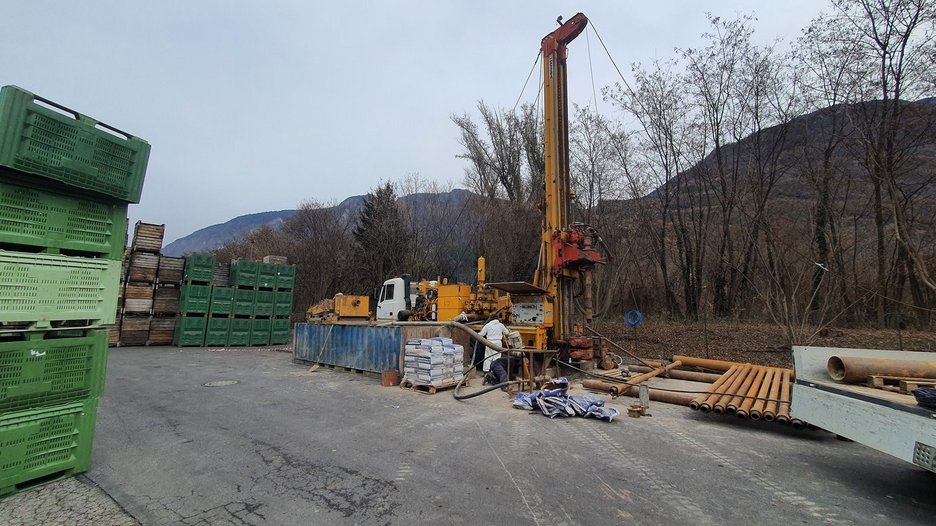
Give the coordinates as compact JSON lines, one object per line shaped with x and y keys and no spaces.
{"x":201,"y":437}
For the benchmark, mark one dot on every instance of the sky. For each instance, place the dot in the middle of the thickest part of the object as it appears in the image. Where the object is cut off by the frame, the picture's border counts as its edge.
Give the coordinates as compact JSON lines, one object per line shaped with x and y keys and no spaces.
{"x":257,"y":106}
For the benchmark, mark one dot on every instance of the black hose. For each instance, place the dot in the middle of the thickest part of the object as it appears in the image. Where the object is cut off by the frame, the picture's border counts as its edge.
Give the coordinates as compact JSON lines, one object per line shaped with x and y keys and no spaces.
{"x":486,"y":390}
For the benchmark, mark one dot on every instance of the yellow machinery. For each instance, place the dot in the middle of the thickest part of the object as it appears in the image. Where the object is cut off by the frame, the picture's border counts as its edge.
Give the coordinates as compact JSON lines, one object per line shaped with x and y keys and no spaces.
{"x":341,"y":307}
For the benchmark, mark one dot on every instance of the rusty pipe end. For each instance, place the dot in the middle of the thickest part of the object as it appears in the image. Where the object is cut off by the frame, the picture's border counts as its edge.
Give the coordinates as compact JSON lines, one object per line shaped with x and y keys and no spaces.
{"x":769,"y":417}
{"x":741,"y":414}
{"x":797,"y":423}
{"x":836,"y":368}
{"x":783,"y":420}
{"x":731,"y":409}
{"x":694,"y":405}
{"x":705,"y":408}
{"x":755,"y":415}
{"x":718,"y":409}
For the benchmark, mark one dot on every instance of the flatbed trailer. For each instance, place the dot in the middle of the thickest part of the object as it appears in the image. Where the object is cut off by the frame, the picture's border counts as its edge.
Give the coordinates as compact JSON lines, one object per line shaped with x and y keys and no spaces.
{"x":889,"y":422}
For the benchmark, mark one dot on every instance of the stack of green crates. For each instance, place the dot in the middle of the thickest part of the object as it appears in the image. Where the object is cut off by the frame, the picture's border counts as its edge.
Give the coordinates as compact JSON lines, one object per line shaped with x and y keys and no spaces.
{"x":65,"y":183}
{"x":280,"y":326}
{"x":195,"y":300}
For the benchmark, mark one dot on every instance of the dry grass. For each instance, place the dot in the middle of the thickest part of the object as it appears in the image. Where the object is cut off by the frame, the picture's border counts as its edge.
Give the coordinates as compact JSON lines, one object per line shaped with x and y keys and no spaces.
{"x":759,"y":343}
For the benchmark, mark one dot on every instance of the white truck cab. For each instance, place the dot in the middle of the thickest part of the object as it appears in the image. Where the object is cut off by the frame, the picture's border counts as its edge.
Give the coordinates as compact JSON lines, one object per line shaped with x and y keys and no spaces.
{"x":396,"y":294}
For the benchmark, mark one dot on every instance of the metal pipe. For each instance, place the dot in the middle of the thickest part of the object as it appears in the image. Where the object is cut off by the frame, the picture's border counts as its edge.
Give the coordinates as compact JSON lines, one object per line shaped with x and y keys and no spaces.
{"x":732,"y":406}
{"x":704,"y":363}
{"x":630,"y":383}
{"x":664,"y":396}
{"x":757,"y":410}
{"x":705,"y":402}
{"x":745,"y":408}
{"x":678,"y":374}
{"x":852,"y":370}
{"x":797,"y":423}
{"x":770,"y":411}
{"x":723,"y":400}
{"x":783,"y":414}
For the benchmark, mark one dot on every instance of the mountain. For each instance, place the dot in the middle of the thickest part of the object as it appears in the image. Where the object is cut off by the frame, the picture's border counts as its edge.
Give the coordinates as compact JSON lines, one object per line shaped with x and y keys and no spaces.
{"x":215,"y":236}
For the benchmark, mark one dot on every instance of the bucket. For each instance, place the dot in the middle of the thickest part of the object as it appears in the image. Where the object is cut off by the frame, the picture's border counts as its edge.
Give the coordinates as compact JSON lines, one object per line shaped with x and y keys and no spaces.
{"x":390,"y":378}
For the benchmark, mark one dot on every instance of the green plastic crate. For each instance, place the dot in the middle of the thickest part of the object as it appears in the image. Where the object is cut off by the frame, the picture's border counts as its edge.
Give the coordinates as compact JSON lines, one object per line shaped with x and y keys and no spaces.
{"x":35,"y":217}
{"x":243,"y":302}
{"x":45,"y":368}
{"x":194,"y":299}
{"x":243,"y":273}
{"x":282,"y":303}
{"x":190,"y":331}
{"x":260,"y":331}
{"x":41,"y":289}
{"x":216,"y":331}
{"x":263,"y":303}
{"x":266,"y":275}
{"x":280,"y":331}
{"x":71,"y":147}
{"x":240,"y":331}
{"x":285,"y":277}
{"x":222,"y":300}
{"x":198,"y":268}
{"x":41,"y":444}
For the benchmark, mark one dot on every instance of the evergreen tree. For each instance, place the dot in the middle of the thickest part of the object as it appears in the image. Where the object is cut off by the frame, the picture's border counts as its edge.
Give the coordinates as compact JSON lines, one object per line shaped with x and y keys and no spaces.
{"x":381,"y":239}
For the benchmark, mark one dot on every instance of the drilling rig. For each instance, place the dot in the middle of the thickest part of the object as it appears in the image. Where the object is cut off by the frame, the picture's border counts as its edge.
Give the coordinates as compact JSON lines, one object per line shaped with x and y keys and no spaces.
{"x":544,"y":312}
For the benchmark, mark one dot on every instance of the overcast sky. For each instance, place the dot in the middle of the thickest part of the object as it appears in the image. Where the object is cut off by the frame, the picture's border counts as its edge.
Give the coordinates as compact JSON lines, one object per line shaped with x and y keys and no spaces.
{"x":256,"y":106}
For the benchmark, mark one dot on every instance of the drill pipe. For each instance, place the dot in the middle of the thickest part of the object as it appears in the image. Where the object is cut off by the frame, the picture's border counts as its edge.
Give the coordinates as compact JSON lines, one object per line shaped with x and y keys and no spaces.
{"x":630,"y":383}
{"x":770,"y":411}
{"x":745,"y":408}
{"x":704,"y":363}
{"x":757,"y":410}
{"x":719,"y":406}
{"x":706,"y":401}
{"x":783,"y":414}
{"x":662,"y":396}
{"x":797,"y":423}
{"x":732,"y":406}
{"x":857,"y":370}
{"x":678,"y":374}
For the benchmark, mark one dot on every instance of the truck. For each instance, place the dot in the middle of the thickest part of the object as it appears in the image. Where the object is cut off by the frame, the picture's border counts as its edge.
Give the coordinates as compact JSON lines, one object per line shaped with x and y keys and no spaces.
{"x":889,"y":422}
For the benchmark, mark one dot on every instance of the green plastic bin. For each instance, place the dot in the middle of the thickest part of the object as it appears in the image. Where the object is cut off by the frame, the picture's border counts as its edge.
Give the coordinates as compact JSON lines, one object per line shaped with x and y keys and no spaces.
{"x":42,"y":444}
{"x":46,"y":368}
{"x":266,"y":275}
{"x":199,"y":268}
{"x":216,"y":331}
{"x":42,"y":219}
{"x":195,"y":299}
{"x":222,"y":300}
{"x":282,"y":303}
{"x":263,"y":303}
{"x":243,"y":273}
{"x":240,"y":331}
{"x":243,"y":302}
{"x":285,"y":277}
{"x":260,"y":331}
{"x":37,"y":290}
{"x":69,"y":147}
{"x":190,"y":331}
{"x":280,"y":331}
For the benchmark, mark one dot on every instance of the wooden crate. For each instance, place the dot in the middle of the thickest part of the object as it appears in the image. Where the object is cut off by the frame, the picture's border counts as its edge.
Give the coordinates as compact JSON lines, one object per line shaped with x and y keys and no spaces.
{"x":147,"y":237}
{"x":138,"y":291}
{"x":143,"y":267}
{"x":222,"y":275}
{"x":276,"y":260}
{"x":133,"y":338}
{"x":113,"y":335}
{"x":161,"y":331}
{"x":170,"y":269}
{"x":166,"y":300}
{"x":135,"y":324}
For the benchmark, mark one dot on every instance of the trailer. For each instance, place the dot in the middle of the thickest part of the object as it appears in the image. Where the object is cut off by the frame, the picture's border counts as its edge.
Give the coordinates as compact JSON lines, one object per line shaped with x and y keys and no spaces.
{"x":889,"y":422}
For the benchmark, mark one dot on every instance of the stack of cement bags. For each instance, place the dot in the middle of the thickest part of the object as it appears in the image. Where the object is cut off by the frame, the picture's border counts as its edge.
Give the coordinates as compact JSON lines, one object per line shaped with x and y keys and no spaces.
{"x":432,"y":361}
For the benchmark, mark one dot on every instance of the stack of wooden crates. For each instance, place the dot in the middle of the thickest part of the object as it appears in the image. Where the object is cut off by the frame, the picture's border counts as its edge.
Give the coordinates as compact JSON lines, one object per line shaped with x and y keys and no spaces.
{"x":65,"y":184}
{"x":149,"y":291}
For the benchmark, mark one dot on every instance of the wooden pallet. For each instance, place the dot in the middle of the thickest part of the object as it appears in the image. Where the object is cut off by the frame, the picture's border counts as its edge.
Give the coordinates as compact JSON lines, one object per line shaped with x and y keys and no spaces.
{"x":170,"y":269}
{"x":428,"y":389}
{"x":147,"y":237}
{"x":899,"y":384}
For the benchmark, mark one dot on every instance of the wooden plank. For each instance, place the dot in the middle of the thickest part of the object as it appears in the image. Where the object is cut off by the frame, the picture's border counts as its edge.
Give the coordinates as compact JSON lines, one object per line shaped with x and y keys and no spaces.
{"x":138,"y":291}
{"x":135,"y":323}
{"x":138,"y":306}
{"x":907,"y":386}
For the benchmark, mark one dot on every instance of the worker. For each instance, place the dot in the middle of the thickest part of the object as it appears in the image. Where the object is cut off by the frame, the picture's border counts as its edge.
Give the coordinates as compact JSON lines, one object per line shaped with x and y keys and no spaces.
{"x":504,"y":368}
{"x":493,"y":331}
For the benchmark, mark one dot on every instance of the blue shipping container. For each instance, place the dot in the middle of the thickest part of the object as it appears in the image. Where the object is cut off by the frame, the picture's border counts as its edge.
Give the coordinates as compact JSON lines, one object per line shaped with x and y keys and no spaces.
{"x":363,"y":347}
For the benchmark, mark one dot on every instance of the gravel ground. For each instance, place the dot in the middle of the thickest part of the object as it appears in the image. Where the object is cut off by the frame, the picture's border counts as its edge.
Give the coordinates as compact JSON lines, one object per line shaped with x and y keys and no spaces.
{"x":70,"y":502}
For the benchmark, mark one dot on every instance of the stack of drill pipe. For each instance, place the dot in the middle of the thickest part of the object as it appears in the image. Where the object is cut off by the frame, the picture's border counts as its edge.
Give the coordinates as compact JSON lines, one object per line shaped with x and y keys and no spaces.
{"x":750,"y":391}
{"x":853,"y":369}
